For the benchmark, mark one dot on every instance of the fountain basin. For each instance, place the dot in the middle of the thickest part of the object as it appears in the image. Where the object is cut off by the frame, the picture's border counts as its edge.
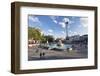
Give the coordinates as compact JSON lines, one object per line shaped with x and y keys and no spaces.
{"x":56,"y":47}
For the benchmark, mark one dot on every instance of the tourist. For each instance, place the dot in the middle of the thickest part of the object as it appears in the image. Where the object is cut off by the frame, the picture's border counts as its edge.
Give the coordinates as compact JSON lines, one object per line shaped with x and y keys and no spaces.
{"x":43,"y":54}
{"x":40,"y":55}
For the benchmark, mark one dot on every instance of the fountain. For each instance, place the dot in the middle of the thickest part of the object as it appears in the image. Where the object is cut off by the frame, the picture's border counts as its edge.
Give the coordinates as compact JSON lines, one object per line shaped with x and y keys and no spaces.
{"x":60,"y":43}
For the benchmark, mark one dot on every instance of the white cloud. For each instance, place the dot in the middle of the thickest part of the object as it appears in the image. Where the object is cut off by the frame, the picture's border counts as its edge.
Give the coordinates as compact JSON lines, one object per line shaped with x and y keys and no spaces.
{"x":50,"y":30}
{"x":50,"y":33}
{"x":54,"y":19}
{"x":66,"y":19}
{"x":34,"y":19}
{"x":63,"y":32}
{"x":72,"y":32}
{"x":62,"y":24}
{"x":84,"y":21}
{"x":75,"y":33}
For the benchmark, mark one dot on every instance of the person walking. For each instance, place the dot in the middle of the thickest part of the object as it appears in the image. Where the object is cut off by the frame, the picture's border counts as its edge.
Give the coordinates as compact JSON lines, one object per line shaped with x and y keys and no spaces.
{"x":43,"y":54}
{"x":40,"y":55}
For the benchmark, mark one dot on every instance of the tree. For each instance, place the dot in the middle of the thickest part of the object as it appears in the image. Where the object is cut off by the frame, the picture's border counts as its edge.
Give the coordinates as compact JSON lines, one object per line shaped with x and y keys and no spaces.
{"x":49,"y":38}
{"x":43,"y":39}
{"x":34,"y":33}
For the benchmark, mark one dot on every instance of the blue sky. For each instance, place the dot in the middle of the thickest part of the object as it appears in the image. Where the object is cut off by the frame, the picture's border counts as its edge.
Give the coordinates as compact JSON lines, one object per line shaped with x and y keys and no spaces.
{"x":55,"y":25}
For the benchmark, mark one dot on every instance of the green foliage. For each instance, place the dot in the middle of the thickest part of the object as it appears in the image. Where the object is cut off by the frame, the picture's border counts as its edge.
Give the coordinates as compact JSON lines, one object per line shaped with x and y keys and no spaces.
{"x":49,"y":38}
{"x":34,"y":33}
{"x":43,"y":39}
